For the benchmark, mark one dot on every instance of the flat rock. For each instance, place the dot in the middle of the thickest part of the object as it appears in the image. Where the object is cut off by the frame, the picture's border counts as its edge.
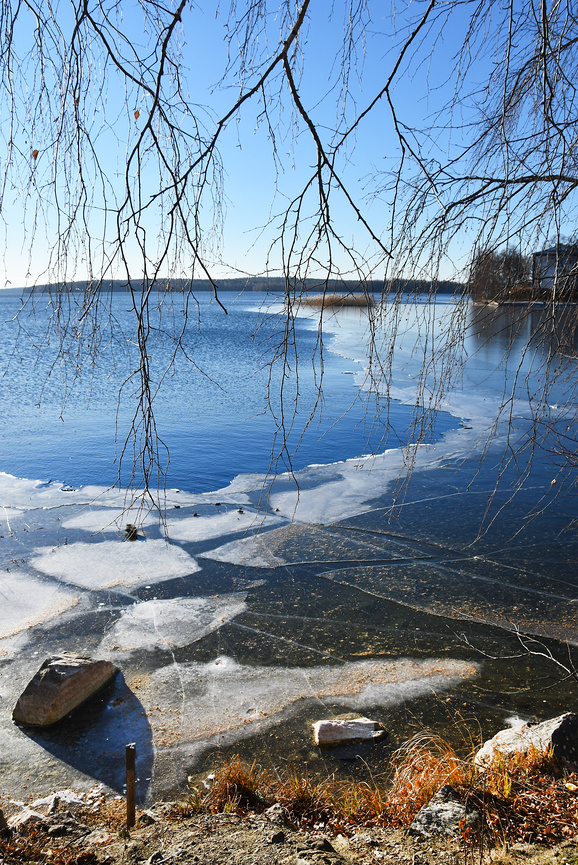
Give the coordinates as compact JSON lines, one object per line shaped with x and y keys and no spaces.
{"x":61,"y":684}
{"x":559,"y":733}
{"x":445,"y":814}
{"x":26,"y":818}
{"x":338,"y":732}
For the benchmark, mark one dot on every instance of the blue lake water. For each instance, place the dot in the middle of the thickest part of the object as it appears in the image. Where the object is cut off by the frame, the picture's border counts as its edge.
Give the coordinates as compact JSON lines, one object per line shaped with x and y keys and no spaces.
{"x":212,"y":414}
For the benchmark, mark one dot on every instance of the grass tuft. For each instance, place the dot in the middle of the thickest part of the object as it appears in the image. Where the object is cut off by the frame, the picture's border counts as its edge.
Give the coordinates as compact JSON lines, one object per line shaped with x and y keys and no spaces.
{"x":237,"y":787}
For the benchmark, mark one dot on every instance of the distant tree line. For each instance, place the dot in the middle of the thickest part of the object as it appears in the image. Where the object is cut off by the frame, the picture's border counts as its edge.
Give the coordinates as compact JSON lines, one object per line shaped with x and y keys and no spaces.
{"x":259,"y":283}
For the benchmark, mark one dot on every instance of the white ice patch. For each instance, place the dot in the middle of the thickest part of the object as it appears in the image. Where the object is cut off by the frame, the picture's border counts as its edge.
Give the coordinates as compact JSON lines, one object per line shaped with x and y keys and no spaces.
{"x":328,"y":494}
{"x":169,"y":624}
{"x":515,"y":721}
{"x":9,"y":516}
{"x":26,"y":601}
{"x":205,"y":528}
{"x":24,"y":493}
{"x":108,"y":520}
{"x":104,"y":564}
{"x":224,"y":700}
{"x":252,"y":552}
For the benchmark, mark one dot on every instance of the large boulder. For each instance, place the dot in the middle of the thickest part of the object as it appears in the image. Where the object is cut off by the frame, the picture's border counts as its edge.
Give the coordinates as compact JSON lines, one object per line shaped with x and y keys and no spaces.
{"x":339,"y":731}
{"x":61,"y":684}
{"x":560,"y":734}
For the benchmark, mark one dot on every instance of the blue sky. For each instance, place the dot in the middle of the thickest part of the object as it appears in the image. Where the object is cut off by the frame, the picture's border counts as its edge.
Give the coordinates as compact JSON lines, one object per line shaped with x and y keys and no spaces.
{"x":256,"y":189}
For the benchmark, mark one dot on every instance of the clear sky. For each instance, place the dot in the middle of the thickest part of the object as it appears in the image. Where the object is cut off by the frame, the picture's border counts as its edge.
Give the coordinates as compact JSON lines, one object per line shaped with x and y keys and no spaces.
{"x":257,"y":185}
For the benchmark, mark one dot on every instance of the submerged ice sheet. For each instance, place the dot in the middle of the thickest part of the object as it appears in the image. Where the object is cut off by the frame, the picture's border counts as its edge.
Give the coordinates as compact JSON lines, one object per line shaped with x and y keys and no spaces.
{"x":299,"y":542}
{"x":172,"y":623}
{"x":197,"y":705}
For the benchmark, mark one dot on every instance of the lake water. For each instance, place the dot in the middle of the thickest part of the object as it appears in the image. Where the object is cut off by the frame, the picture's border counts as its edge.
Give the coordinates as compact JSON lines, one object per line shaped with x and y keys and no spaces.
{"x":212,"y":414}
{"x":284,"y":598}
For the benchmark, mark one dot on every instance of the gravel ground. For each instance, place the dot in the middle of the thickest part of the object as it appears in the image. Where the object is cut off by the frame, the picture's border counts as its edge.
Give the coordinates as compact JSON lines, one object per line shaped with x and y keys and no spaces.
{"x":71,"y":835}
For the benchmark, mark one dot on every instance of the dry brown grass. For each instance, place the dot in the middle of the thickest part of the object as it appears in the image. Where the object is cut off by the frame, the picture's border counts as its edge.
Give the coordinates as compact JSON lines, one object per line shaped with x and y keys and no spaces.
{"x":23,"y":850}
{"x":238,"y":786}
{"x":325,"y":300}
{"x":527,"y":798}
{"x":422,"y":766}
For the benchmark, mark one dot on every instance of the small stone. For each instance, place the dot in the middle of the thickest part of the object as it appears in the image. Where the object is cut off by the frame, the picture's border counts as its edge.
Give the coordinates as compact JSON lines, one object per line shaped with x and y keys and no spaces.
{"x":276,"y":814}
{"x":323,"y":844}
{"x":57,"y":829}
{"x":445,"y":814}
{"x":98,"y":837}
{"x":131,"y":532}
{"x":147,"y":818}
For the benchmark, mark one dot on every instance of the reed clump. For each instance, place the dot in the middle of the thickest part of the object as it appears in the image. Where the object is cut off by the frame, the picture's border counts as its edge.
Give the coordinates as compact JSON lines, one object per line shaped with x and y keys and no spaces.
{"x":526,"y":798}
{"x":337,"y":300}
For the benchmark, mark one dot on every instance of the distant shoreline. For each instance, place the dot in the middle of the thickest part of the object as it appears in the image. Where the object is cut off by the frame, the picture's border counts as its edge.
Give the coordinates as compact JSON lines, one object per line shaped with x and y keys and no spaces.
{"x":249,"y":284}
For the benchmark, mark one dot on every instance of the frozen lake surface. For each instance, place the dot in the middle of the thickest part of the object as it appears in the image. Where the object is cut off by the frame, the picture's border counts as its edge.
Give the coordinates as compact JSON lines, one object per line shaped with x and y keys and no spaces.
{"x":265,"y":613}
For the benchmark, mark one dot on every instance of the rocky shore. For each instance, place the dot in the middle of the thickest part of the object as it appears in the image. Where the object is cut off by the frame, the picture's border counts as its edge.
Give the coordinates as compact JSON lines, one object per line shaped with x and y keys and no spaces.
{"x":70,"y":830}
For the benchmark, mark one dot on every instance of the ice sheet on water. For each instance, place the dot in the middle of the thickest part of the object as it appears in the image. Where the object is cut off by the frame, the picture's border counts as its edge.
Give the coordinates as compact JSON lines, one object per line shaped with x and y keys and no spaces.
{"x":298,"y":542}
{"x":251,"y":552}
{"x":102,"y":519}
{"x":173,"y":623}
{"x":475,"y":593}
{"x":106,"y":564}
{"x":204,"y":528}
{"x":21,"y":494}
{"x":224,"y":700}
{"x":27,"y":601}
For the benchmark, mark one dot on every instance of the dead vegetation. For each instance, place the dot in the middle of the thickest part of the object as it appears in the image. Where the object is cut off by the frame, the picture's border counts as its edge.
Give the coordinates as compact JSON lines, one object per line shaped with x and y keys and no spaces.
{"x":338,"y":300}
{"x":529,"y":798}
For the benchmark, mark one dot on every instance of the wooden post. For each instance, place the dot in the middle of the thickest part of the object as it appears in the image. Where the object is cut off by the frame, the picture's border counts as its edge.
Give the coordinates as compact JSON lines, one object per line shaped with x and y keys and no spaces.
{"x":130,"y":785}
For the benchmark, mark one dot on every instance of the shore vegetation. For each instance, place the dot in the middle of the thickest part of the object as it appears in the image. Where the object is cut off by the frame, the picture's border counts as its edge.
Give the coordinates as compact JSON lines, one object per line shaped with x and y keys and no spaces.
{"x":525,"y":798}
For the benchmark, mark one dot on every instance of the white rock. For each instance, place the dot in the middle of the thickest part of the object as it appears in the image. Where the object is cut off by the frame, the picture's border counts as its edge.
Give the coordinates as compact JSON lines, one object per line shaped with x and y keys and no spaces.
{"x":26,"y":818}
{"x":560,"y":733}
{"x":339,"y":732}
